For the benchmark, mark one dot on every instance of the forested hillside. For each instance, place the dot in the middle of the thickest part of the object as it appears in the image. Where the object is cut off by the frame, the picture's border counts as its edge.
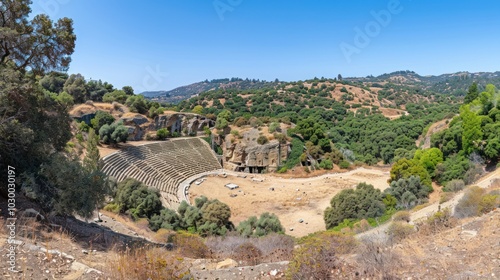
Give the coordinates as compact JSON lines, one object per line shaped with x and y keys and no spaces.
{"x":335,"y":120}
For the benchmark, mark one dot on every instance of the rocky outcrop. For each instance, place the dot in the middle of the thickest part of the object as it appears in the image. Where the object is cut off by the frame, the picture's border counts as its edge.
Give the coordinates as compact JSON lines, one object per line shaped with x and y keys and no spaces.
{"x":190,"y":124}
{"x":137,"y":126}
{"x":247,"y":155}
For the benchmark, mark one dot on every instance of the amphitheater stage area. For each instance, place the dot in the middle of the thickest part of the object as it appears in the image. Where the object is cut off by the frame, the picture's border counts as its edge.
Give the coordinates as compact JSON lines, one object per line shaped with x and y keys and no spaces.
{"x":163,"y":165}
{"x":290,"y":199}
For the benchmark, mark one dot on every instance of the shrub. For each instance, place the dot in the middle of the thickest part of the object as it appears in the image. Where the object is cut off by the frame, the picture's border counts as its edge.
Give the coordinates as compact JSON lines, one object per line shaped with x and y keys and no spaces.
{"x":398,"y":231}
{"x":437,"y":222}
{"x":468,"y":205}
{"x":266,"y":224}
{"x":112,"y":207}
{"x":273,"y":127}
{"x":262,"y":140}
{"x":316,"y":256}
{"x":473,"y":174}
{"x":454,"y":186}
{"x":446,"y":196}
{"x":363,"y":202}
{"x":162,"y":133}
{"x":409,"y":191}
{"x":114,"y":133}
{"x":235,"y":132}
{"x":83,"y":127}
{"x":361,"y":226}
{"x":146,"y":263}
{"x":401,"y":216}
{"x":488,"y":203}
{"x":326,"y":164}
{"x":241,"y":121}
{"x":190,"y":245}
{"x":101,"y":118}
{"x":247,"y":254}
{"x":167,"y":219}
{"x":137,"y":199}
{"x":376,"y":261}
{"x":344,"y":164}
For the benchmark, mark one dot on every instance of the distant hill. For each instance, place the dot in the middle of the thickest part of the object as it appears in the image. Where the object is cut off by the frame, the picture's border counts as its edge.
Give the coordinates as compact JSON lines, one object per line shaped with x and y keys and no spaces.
{"x":185,"y":92}
{"x":455,"y":84}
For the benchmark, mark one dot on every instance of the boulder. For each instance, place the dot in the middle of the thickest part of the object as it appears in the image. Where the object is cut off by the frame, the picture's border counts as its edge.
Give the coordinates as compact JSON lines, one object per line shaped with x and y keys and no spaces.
{"x":227,"y":263}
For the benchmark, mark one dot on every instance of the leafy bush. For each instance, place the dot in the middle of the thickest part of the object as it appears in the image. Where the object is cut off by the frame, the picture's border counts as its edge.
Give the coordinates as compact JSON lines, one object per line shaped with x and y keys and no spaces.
{"x":190,"y":245}
{"x":114,"y":133}
{"x":488,"y":203}
{"x":112,"y":207}
{"x":101,"y":118}
{"x":405,"y":168}
{"x":162,"y":133}
{"x":137,"y":199}
{"x":266,"y":224}
{"x":262,"y":140}
{"x":167,"y":219}
{"x":344,"y":164}
{"x":363,"y":202}
{"x":408,"y":192}
{"x":326,"y":164}
{"x":437,"y":222}
{"x":273,"y":126}
{"x":454,"y":167}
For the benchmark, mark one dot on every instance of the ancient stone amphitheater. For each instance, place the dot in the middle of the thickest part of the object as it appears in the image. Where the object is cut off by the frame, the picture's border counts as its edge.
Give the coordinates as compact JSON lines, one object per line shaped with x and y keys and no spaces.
{"x":166,"y":166}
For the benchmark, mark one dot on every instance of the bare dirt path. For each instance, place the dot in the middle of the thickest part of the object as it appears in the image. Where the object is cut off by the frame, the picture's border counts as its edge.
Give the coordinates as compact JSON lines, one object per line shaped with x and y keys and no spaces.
{"x":483,"y":182}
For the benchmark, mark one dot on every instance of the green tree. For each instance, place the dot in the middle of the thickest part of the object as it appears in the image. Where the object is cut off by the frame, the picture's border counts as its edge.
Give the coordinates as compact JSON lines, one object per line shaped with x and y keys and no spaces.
{"x":92,"y":160}
{"x":223,"y":119}
{"x":363,"y":202}
{"x":36,"y":44}
{"x":128,"y":90}
{"x":34,"y":127}
{"x":101,"y":118}
{"x":405,"y":168}
{"x":162,"y":133}
{"x":216,"y":212}
{"x":429,"y":158}
{"x":115,"y":96}
{"x":198,"y":109}
{"x":54,"y":81}
{"x":114,"y":133}
{"x":471,"y":125}
{"x":167,"y":219}
{"x":137,"y":199}
{"x":472,"y":94}
{"x":75,"y":86}
{"x":408,"y":191}
{"x":137,"y":103}
{"x":266,"y":224}
{"x":79,"y":193}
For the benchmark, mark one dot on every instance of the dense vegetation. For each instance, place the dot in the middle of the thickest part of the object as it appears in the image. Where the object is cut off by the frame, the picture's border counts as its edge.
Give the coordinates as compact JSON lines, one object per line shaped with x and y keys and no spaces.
{"x":206,"y":217}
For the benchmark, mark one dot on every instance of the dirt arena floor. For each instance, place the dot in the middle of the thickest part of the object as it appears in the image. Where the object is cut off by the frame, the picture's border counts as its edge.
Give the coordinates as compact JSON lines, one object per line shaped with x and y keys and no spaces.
{"x":290,"y":199}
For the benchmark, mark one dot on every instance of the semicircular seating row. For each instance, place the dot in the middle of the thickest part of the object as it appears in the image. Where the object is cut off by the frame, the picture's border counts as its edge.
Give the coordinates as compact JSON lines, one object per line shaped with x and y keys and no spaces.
{"x":163,"y":165}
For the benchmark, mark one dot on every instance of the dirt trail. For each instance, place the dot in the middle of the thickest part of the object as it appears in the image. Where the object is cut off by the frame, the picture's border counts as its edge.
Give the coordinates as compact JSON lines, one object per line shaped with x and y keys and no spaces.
{"x":484,"y":182}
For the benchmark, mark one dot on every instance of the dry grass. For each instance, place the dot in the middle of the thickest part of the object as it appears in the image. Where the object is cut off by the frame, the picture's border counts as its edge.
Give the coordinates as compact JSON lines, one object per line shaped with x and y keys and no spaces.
{"x":146,"y":263}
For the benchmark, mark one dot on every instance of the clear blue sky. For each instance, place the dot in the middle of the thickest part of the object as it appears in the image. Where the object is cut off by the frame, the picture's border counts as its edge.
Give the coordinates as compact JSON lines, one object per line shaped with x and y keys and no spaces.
{"x":159,"y":45}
